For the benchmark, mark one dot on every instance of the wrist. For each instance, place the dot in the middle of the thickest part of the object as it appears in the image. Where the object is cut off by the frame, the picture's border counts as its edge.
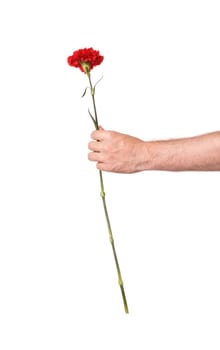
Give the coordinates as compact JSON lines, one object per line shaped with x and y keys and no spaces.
{"x":158,"y":155}
{"x":149,"y":151}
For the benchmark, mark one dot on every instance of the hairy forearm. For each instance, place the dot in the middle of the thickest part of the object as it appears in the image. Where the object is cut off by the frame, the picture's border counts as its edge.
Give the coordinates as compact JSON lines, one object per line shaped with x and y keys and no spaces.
{"x":199,"y":153}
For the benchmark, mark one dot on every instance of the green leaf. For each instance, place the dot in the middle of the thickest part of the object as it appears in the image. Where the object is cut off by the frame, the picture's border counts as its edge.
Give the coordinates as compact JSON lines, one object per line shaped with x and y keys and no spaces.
{"x":85,"y":91}
{"x":93,"y":119}
{"x":98,"y":82}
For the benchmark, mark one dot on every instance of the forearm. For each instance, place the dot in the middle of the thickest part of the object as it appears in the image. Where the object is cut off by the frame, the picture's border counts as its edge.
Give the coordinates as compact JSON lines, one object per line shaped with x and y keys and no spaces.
{"x":199,"y":153}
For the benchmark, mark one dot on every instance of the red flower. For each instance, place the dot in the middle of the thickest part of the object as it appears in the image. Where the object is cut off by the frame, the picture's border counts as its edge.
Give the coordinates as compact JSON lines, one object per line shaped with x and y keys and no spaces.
{"x":85,"y":59}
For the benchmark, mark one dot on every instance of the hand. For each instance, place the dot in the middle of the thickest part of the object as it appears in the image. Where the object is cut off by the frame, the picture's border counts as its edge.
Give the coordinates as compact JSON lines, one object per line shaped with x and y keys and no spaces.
{"x":116,"y":152}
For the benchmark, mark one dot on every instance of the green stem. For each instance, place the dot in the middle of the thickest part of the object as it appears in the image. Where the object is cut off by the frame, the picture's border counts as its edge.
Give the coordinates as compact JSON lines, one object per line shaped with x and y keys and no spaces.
{"x":102,"y":193}
{"x":92,"y":90}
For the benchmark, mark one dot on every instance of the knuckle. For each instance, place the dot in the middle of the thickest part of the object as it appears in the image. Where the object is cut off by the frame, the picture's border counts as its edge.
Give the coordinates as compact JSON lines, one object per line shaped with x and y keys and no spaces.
{"x":90,"y":145}
{"x":90,"y":156}
{"x":93,"y":134}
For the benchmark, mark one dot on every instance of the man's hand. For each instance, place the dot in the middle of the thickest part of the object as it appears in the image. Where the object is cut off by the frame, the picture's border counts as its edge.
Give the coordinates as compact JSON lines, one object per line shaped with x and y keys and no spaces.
{"x":117,"y":152}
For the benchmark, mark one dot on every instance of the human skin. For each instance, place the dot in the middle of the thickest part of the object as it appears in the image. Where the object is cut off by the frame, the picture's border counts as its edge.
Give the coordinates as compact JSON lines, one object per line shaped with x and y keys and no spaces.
{"x":121,"y":153}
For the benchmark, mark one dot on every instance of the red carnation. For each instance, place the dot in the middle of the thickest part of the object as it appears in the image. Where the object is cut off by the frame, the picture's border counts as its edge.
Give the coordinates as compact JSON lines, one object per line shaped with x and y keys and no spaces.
{"x":85,"y":59}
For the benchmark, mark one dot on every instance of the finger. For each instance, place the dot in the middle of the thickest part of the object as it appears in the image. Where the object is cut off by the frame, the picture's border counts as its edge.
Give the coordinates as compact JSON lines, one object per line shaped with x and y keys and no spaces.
{"x":101,"y":166}
{"x":94,"y":146}
{"x":98,"y":135}
{"x":104,"y":167}
{"x":95,"y":156}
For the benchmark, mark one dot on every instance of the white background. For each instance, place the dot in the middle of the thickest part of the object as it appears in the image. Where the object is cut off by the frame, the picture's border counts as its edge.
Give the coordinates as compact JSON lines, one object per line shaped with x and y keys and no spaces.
{"x":58,"y":284}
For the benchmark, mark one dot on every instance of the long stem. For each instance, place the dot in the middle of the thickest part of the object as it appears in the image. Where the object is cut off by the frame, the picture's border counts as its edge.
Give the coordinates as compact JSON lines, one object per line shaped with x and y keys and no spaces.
{"x":102,"y":193}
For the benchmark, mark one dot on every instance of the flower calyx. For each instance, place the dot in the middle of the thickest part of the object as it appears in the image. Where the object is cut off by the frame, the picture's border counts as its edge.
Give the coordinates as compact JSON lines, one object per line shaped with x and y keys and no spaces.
{"x":85,"y":67}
